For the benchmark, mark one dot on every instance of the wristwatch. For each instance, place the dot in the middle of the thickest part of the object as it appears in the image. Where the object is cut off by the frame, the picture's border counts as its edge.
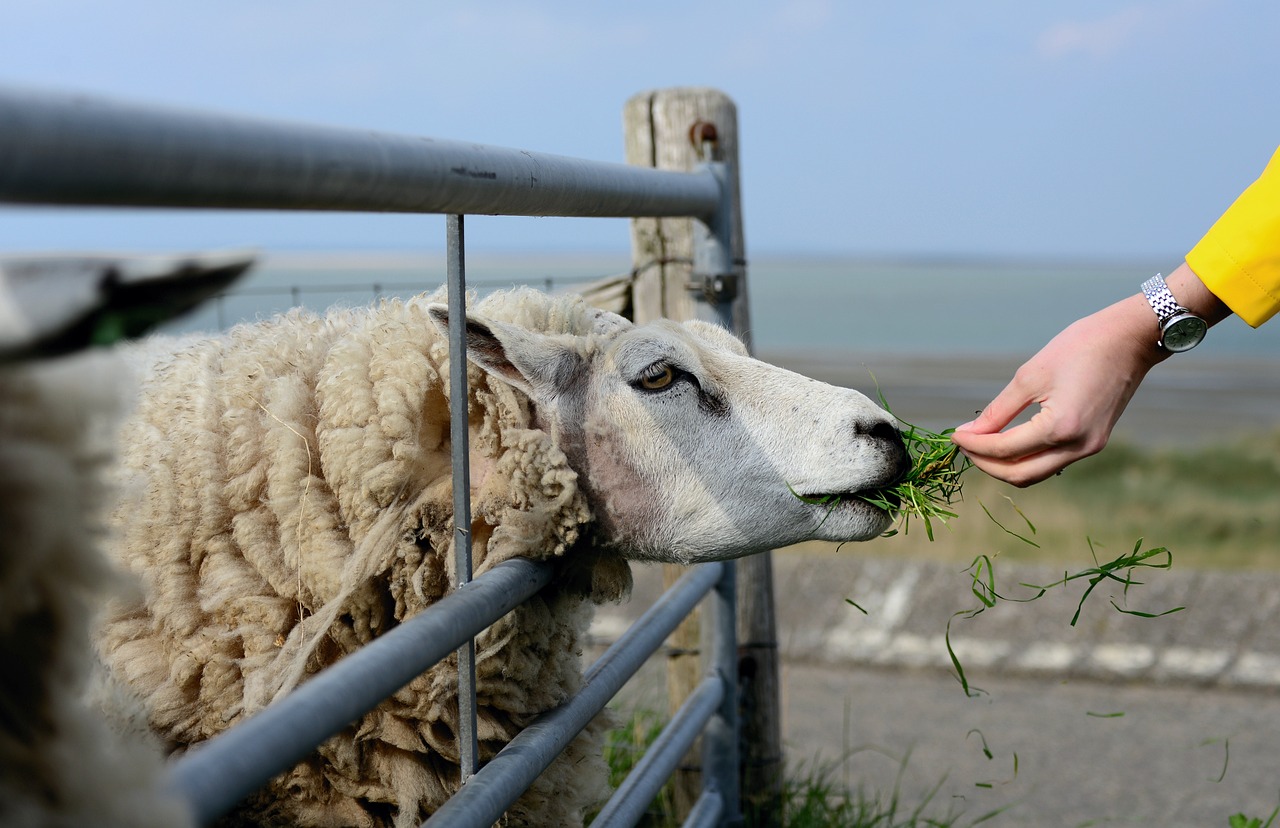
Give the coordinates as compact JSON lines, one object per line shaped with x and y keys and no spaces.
{"x":1180,"y":329}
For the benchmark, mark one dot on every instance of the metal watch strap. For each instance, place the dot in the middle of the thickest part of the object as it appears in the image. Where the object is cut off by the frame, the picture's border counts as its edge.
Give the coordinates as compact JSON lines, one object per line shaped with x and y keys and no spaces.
{"x":1160,"y":298}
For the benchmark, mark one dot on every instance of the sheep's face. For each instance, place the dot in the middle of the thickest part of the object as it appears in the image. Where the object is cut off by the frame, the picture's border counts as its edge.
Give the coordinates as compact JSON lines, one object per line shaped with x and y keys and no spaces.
{"x":688,"y":449}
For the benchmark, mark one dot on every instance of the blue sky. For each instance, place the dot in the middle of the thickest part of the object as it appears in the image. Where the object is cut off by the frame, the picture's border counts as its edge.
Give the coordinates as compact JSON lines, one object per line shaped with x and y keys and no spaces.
{"x":990,"y":128}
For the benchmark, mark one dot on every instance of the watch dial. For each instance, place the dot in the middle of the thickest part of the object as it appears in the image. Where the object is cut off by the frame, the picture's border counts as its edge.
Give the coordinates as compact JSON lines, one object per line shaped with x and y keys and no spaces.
{"x":1184,"y":334}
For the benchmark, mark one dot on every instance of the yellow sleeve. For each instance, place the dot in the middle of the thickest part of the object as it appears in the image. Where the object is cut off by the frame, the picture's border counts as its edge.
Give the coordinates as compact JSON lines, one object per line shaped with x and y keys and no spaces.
{"x":1239,"y":258}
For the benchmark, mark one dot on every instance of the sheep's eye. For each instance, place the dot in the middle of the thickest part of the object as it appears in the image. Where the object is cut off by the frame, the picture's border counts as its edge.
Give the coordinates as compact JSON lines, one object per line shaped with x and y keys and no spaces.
{"x":657,"y":377}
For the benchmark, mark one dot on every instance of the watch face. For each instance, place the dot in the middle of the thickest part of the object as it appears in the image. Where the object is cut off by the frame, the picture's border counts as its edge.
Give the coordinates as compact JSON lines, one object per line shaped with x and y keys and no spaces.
{"x":1184,"y":333}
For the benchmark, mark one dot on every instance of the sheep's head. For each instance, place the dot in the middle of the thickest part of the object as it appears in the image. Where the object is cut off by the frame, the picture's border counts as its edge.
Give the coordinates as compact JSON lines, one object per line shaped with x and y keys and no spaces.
{"x":688,"y":449}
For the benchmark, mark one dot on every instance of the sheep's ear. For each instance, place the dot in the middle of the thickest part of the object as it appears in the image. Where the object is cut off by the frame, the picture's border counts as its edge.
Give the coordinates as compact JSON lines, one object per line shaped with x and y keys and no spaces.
{"x":540,"y":366}
{"x":605,"y":322}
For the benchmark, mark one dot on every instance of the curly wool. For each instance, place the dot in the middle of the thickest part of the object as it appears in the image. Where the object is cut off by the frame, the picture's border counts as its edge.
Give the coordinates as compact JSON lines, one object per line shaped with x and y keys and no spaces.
{"x":290,"y":498}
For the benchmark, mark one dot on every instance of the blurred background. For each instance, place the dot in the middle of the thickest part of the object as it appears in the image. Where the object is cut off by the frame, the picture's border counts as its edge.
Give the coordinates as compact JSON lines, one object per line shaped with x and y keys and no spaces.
{"x":940,"y":161}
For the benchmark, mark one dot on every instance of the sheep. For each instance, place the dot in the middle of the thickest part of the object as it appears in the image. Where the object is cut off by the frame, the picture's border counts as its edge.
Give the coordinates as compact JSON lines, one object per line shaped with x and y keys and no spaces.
{"x":288,"y":497}
{"x":59,"y":764}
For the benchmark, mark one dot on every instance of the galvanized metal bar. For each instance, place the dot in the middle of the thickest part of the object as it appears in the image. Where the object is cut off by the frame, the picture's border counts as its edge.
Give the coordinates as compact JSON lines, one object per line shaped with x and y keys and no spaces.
{"x":627,"y":805}
{"x":460,"y":446}
{"x":58,"y":148}
{"x":720,"y":740}
{"x":499,"y":783}
{"x":706,"y":812}
{"x":217,"y":774}
{"x":713,"y":265}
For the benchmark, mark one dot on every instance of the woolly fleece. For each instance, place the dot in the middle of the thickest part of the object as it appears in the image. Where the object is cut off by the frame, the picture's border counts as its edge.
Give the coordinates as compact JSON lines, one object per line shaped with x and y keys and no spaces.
{"x":288,"y":497}
{"x":59,"y":764}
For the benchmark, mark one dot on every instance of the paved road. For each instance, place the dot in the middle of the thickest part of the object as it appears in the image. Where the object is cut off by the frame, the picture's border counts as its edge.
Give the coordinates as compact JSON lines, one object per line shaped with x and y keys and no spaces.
{"x":1161,"y":763}
{"x":1178,"y":756}
{"x":1199,"y":692}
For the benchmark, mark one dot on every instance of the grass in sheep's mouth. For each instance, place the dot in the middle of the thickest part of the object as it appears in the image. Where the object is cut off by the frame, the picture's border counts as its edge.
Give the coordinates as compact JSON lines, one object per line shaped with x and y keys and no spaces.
{"x":927,"y":492}
{"x":930,"y":488}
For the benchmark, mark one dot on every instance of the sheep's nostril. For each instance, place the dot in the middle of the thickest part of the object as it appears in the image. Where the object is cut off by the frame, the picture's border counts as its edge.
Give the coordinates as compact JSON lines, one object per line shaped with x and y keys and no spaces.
{"x":889,"y":445}
{"x":886,"y":431}
{"x":880,"y":430}
{"x":895,"y":448}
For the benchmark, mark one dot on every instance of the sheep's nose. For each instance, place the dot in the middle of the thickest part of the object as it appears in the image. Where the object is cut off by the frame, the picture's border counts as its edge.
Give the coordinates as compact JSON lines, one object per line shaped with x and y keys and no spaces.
{"x":888,"y":439}
{"x":882,"y":430}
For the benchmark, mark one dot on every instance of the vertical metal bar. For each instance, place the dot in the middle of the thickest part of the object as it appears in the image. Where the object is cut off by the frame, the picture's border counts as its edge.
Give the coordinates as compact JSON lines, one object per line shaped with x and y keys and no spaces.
{"x":713,"y":263}
{"x":468,"y":746}
{"x":720,"y":740}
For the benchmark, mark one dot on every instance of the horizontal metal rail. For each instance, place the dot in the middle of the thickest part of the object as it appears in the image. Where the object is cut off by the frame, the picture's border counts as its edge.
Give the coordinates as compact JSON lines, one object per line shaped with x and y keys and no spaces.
{"x":629,"y":802}
{"x":481,"y":802}
{"x":214,"y":776}
{"x":58,"y":148}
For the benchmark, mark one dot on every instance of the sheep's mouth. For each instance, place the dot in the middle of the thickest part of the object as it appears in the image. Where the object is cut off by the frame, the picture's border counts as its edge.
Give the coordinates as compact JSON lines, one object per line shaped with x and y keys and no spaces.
{"x":885,"y":499}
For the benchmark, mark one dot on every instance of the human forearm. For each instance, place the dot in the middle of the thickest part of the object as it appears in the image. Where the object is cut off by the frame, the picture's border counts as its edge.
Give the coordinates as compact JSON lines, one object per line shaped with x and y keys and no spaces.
{"x":1081,"y":381}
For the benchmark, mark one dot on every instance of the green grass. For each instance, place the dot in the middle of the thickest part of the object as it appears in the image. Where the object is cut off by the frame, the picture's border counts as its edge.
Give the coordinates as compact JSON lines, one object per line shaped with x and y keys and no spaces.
{"x":813,"y":799}
{"x":623,"y":747}
{"x":1214,"y":506}
{"x":812,"y":795}
{"x":931,"y":488}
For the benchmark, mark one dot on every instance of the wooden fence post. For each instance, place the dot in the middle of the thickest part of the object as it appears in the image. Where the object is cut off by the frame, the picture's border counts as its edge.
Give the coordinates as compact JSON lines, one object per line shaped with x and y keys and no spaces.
{"x":660,"y":132}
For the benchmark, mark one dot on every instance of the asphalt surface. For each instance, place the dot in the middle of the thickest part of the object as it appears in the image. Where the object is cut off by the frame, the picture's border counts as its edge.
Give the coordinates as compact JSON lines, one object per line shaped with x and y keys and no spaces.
{"x":1118,"y":720}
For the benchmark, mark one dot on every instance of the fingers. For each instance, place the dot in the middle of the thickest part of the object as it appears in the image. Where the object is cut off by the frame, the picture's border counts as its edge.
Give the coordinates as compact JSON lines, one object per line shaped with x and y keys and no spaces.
{"x":1020,"y":456}
{"x":1025,"y":471}
{"x":1022,"y":441}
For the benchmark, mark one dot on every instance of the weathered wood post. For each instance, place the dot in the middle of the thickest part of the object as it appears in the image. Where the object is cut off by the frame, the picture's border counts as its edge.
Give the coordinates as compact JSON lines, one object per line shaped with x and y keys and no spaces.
{"x":675,"y":129}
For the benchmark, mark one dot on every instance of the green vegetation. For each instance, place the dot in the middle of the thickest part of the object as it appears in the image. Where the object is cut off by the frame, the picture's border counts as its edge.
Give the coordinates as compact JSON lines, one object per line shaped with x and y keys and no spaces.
{"x":623,"y":747}
{"x":932,"y":487}
{"x":814,"y":800}
{"x":1242,"y":821}
{"x":1119,"y":570}
{"x":812,"y":796}
{"x":1214,"y":506}
{"x":927,"y":492}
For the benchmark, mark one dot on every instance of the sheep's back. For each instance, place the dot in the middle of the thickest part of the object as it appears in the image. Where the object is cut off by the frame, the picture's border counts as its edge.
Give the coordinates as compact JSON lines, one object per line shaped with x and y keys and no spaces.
{"x":291,"y":499}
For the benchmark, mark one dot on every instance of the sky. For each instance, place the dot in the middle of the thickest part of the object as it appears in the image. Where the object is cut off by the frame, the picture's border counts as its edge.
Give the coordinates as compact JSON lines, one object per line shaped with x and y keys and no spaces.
{"x":993,"y":128}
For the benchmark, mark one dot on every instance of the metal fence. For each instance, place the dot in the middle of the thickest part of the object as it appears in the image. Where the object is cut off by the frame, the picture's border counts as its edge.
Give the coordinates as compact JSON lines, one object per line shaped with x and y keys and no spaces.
{"x":74,"y":150}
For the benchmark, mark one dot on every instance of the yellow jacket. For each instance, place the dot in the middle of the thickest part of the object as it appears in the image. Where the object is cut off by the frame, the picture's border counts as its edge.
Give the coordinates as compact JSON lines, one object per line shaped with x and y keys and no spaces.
{"x":1239,"y":258}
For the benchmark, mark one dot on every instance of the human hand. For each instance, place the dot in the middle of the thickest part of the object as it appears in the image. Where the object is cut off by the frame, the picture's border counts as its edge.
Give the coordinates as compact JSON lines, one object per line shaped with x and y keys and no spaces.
{"x":1082,"y":380}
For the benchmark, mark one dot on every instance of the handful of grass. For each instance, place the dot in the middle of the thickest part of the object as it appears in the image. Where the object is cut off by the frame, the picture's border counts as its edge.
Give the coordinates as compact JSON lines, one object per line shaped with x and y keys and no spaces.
{"x":931,"y":487}
{"x":927,"y":492}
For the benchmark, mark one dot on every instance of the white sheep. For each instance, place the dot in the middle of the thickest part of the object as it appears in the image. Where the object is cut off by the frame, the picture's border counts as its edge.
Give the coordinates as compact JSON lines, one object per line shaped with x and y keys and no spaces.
{"x":59,"y":764}
{"x":288,"y":498}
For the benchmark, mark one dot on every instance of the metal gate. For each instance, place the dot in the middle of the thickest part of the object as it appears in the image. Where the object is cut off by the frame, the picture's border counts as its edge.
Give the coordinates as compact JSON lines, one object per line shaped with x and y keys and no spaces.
{"x":73,"y":150}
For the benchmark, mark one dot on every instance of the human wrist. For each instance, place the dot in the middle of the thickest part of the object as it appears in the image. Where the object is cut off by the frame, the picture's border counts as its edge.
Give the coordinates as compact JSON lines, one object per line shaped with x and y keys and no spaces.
{"x":1138,"y":326}
{"x":1192,"y":294}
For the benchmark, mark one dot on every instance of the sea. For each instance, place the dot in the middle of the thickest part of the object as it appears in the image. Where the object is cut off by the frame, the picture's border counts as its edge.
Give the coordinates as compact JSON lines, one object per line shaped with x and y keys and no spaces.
{"x":937,"y":339}
{"x":945,"y":308}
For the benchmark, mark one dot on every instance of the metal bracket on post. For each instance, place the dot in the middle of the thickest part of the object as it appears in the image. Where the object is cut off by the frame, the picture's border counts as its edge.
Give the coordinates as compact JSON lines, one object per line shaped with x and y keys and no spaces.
{"x":715,"y":283}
